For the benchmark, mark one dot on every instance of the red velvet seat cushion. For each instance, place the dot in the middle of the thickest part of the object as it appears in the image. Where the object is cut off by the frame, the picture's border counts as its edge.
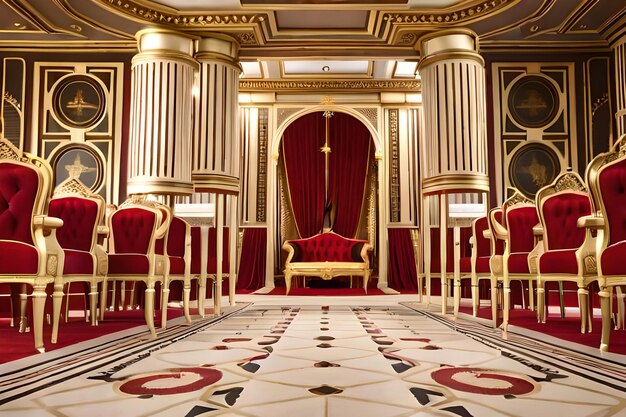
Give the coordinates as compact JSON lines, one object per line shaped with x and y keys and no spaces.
{"x":128,"y":264}
{"x":18,"y":258}
{"x":558,"y":261}
{"x":518,"y":263}
{"x":327,"y":247}
{"x":77,"y":262}
{"x":560,"y":214}
{"x":177,"y":265}
{"x":613,"y":259}
{"x":19,"y":187}
{"x":80,"y":217}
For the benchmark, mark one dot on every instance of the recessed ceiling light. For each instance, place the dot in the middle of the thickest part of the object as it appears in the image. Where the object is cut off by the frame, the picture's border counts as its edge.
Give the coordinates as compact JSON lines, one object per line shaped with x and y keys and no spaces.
{"x":325,"y":68}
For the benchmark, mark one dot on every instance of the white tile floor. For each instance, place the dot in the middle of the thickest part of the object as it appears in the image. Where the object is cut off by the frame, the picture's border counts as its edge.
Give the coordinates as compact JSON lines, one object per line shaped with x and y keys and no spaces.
{"x":291,"y":356}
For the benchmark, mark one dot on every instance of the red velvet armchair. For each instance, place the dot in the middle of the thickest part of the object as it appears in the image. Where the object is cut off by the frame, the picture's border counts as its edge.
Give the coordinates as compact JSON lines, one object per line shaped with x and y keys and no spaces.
{"x":606,"y":176}
{"x":521,"y":250}
{"x":82,"y":213}
{"x":29,"y":251}
{"x":560,"y":206}
{"x":204,"y":259}
{"x":479,"y":261}
{"x":134,"y":229}
{"x":178,"y":258}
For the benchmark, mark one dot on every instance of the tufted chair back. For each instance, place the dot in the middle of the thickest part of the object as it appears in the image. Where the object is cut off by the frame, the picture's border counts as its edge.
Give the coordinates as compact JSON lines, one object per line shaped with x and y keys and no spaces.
{"x":133,"y":229}
{"x":21,"y":189}
{"x":560,"y":205}
{"x":612,"y":186}
{"x":559,"y":214}
{"x":520,"y":220}
{"x":81,"y":217}
{"x":482,"y":245}
{"x":327,"y":247}
{"x":176,"y":235}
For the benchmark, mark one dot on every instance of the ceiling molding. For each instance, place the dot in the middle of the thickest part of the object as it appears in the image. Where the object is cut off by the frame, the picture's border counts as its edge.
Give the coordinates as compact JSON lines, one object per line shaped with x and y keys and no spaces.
{"x":331,"y":85}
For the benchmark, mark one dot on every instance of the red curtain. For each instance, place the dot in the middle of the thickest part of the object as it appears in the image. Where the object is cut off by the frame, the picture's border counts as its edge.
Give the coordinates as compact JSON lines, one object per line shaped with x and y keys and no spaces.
{"x":351,"y":145}
{"x":252,"y":266}
{"x":304,"y":166}
{"x":401,"y":272}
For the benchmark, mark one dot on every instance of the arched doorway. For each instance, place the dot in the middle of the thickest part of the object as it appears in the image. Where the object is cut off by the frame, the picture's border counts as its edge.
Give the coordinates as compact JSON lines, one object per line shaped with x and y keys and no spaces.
{"x":327,"y":177}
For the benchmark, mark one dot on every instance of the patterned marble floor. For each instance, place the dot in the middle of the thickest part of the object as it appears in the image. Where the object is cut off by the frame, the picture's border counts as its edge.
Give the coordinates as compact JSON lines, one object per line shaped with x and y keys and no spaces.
{"x":318,"y":361}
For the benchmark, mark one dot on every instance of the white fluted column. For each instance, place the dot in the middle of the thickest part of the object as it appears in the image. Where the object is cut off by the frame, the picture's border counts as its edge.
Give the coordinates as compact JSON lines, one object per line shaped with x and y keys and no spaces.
{"x":455,"y":148}
{"x":216,"y":156}
{"x":161,"y":116}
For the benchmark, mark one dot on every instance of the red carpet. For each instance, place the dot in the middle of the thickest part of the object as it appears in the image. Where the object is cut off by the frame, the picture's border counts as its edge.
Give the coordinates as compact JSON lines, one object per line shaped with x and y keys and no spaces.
{"x":565,"y":329}
{"x":17,"y":345}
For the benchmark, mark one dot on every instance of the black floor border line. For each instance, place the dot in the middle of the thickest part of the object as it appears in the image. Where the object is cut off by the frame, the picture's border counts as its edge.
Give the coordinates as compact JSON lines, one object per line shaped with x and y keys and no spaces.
{"x":508,"y":345}
{"x":158,"y":342}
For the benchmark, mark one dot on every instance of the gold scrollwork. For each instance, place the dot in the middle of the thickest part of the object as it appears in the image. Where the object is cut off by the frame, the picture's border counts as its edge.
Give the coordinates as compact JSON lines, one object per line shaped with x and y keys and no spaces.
{"x":52,"y":264}
{"x":591,"y":266}
{"x":569,"y":181}
{"x":455,"y":16}
{"x":370,"y":113}
{"x":11,"y":100}
{"x":394,"y":165}
{"x":369,"y":85}
{"x":139,"y":11}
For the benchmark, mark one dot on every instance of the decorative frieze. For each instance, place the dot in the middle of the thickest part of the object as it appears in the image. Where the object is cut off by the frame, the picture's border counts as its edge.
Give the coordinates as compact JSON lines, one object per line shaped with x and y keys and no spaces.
{"x":262,"y":165}
{"x":325,"y":85}
{"x":394,"y":167}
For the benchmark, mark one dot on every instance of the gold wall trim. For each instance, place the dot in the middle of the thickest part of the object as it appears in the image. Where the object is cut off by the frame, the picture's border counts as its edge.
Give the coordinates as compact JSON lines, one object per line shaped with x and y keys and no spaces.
{"x":475,"y":11}
{"x":143,"y":13}
{"x":330,"y":85}
{"x":263,"y":126}
{"x":455,"y":182}
{"x":394,"y":167}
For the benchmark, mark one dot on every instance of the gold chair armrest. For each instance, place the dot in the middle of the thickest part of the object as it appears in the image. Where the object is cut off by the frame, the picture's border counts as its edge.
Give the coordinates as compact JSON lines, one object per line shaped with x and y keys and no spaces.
{"x":591,"y":222}
{"x":538,"y":231}
{"x":487,"y":234}
{"x":290,"y":251}
{"x":103,"y":231}
{"x":47,"y":222}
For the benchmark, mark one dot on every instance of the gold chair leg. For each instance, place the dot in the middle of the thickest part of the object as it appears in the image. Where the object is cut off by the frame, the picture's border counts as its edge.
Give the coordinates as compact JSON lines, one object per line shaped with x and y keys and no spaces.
{"x":57,"y":300}
{"x":287,"y":283}
{"x":186,"y":296}
{"x":103,"y":298}
{"x":583,"y":297}
{"x":93,"y":303}
{"x":39,"y":303}
{"x":605,"y":305}
{"x":541,"y":302}
{"x":165,"y":295}
{"x":494,"y":301}
{"x":201,"y":295}
{"x":149,"y":308}
{"x":621,"y":296}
